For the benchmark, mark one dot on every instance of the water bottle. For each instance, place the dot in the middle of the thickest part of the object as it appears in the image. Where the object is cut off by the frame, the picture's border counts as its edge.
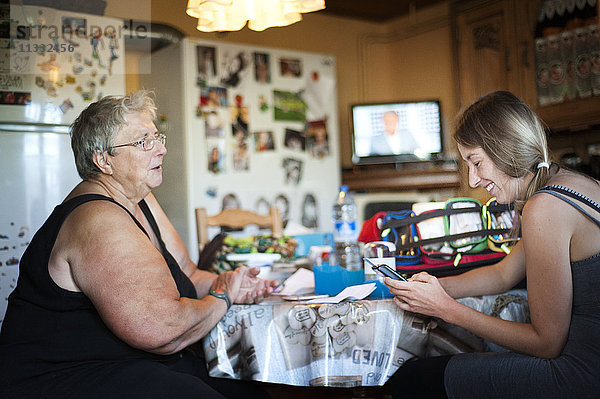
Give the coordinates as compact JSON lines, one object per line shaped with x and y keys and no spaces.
{"x":345,"y":231}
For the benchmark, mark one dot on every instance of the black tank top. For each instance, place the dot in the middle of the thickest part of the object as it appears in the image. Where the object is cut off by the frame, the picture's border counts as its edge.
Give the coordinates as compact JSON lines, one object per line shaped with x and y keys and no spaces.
{"x":48,"y":328}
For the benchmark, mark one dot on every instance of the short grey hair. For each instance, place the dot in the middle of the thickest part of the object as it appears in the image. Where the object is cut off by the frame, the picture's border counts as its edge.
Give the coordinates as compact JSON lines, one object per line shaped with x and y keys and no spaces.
{"x":97,"y":125}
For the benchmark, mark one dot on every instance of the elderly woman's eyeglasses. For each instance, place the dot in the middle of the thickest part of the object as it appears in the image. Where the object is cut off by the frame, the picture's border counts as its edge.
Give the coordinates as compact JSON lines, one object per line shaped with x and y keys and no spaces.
{"x":147,"y":143}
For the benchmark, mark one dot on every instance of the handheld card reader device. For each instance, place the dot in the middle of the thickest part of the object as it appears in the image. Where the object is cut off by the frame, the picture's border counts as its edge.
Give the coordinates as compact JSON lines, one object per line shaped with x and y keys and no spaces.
{"x":386,"y":271}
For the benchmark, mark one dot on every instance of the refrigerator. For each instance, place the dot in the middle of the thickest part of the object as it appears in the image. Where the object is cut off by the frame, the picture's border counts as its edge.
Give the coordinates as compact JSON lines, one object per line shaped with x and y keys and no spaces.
{"x":53,"y":64}
{"x":248,"y":127}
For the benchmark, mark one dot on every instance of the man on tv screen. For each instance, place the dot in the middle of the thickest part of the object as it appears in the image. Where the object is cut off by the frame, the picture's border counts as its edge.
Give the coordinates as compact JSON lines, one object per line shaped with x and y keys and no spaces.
{"x":393,"y":139}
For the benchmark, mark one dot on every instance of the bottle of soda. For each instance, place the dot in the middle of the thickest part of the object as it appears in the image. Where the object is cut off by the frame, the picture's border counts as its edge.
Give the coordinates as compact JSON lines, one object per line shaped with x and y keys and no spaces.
{"x":345,"y":231}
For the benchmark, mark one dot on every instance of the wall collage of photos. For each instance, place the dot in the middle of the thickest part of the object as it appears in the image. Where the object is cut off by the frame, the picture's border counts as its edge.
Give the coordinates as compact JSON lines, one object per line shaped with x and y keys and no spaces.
{"x":268,"y":125}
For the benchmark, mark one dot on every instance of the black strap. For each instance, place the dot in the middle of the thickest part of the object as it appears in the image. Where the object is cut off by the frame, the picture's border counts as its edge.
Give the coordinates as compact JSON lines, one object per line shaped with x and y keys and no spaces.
{"x":150,"y":218}
{"x":429,"y":215}
{"x":562,"y":192}
{"x":82,"y":199}
{"x":451,"y":237}
{"x":573,"y":194}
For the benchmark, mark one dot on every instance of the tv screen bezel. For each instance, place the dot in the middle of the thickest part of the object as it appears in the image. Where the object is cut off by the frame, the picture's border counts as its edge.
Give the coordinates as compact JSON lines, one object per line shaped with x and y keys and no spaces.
{"x":398,"y":158}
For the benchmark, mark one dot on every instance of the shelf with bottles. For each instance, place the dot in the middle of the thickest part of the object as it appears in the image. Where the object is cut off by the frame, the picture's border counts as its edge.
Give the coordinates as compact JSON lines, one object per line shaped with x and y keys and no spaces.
{"x":567,"y":58}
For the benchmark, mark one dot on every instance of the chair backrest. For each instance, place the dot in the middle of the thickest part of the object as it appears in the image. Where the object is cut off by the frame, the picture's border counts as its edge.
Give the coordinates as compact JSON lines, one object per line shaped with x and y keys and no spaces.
{"x":236,"y":218}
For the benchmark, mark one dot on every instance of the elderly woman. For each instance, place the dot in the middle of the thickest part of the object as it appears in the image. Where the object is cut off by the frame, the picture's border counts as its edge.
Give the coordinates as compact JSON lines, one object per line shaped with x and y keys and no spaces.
{"x":556,"y":354}
{"x":108,"y":299}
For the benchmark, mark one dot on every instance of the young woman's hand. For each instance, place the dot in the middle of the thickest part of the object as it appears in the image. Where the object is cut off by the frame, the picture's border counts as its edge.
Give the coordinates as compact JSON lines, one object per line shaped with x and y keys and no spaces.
{"x":421,"y":294}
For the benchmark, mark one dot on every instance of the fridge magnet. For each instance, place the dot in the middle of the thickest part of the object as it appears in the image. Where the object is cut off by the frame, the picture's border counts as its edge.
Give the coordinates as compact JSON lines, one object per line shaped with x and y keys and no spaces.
{"x":216,"y":158}
{"x":50,"y":65}
{"x":206,"y":61}
{"x":262,"y":206}
{"x":234,"y":69}
{"x":113,"y":45}
{"x":283,"y":204}
{"x":294,"y":140}
{"x":263,"y":105}
{"x":66,"y":106}
{"x":290,"y":67}
{"x":214,"y":124}
{"x":212,"y":191}
{"x":77,"y":69}
{"x":317,"y":139}
{"x":39,"y":81}
{"x":293,"y":170}
{"x":310,"y":211}
{"x":262,"y":69}
{"x":102,"y":80}
{"x":213,"y":96}
{"x":239,"y":122}
{"x":263,"y":141}
{"x":96,"y":40}
{"x":51,"y":91}
{"x":288,"y":106}
{"x":241,"y":156}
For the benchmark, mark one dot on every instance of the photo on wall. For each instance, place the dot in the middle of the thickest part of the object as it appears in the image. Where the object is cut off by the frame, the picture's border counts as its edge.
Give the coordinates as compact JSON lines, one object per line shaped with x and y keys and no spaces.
{"x":290,"y":67}
{"x":263,"y":141}
{"x":282,"y":203}
{"x":207,"y":62}
{"x":310,"y":211}
{"x":216,"y":156}
{"x":262,"y":68}
{"x":239,"y":122}
{"x":294,"y":140}
{"x":234,"y":69}
{"x":241,"y":156}
{"x":293,"y":170}
{"x":262,"y":206}
{"x":317,"y":140}
{"x":213,"y":96}
{"x":288,"y":106}
{"x":214,"y":123}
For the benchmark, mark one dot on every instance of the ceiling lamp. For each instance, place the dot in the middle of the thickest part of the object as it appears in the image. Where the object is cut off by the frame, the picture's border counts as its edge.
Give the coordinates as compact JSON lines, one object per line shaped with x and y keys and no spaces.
{"x":227,"y":15}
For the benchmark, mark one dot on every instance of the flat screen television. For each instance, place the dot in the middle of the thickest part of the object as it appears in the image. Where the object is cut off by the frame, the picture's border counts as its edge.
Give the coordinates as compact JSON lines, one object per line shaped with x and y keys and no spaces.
{"x":396,"y":132}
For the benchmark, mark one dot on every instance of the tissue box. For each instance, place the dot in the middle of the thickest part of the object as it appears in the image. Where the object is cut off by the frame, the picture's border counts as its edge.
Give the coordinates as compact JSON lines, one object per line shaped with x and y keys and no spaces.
{"x":305,"y":241}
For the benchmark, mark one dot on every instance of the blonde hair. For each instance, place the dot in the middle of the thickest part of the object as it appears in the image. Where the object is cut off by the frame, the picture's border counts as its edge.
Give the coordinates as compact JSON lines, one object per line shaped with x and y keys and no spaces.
{"x":97,"y":126}
{"x":511,"y":134}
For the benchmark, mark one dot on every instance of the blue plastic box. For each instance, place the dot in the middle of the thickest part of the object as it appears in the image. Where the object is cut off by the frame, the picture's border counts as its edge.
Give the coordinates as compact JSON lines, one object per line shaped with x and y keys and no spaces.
{"x":332,"y":279}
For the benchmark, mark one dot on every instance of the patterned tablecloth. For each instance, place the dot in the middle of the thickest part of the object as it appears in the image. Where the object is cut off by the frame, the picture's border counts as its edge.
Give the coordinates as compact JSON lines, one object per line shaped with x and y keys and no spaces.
{"x":348,"y":344}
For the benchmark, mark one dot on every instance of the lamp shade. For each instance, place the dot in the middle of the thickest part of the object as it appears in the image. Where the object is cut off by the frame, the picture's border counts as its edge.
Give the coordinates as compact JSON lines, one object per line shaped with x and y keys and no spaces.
{"x":229,"y":15}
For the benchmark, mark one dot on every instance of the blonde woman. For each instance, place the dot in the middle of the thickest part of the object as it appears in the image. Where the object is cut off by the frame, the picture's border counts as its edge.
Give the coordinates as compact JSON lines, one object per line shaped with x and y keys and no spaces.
{"x":556,"y":354}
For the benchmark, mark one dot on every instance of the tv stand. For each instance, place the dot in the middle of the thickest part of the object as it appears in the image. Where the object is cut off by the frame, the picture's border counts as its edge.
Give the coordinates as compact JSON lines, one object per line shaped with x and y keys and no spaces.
{"x":422,"y":175}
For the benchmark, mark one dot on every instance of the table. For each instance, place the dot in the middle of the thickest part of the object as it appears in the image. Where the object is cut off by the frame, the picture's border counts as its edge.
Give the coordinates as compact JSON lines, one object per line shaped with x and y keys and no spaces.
{"x":348,"y":344}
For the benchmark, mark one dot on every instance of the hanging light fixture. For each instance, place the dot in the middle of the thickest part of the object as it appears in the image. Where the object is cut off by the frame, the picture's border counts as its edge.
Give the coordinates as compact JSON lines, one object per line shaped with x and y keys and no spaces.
{"x":227,"y":15}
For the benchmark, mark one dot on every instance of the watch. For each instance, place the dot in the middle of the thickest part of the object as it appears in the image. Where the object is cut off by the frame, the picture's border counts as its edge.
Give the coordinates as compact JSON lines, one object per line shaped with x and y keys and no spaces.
{"x":221,"y":294}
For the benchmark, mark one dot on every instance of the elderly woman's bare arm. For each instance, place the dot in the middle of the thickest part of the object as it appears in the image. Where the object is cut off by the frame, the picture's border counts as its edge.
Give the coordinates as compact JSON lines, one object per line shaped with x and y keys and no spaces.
{"x":201,"y":279}
{"x":126,"y":278}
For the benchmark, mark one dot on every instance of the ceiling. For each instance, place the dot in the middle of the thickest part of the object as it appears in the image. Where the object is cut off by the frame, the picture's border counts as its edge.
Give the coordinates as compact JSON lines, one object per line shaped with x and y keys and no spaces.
{"x":374,"y":10}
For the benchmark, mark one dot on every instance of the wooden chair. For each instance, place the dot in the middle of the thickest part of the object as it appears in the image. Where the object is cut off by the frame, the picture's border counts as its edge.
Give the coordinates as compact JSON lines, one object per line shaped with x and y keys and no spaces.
{"x":236,"y":218}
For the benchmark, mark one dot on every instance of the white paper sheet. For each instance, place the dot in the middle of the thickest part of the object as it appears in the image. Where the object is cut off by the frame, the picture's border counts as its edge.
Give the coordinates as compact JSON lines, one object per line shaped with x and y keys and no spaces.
{"x":360,"y":291}
{"x":301,"y":282}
